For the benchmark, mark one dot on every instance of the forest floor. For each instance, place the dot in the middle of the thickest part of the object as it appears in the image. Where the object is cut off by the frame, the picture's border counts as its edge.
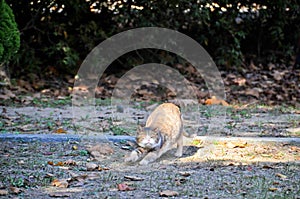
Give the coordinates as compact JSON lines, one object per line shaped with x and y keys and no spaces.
{"x":221,"y":162}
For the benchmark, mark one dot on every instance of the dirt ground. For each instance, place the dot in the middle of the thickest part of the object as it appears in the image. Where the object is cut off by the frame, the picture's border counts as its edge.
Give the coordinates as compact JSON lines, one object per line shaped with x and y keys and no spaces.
{"x":91,"y":168}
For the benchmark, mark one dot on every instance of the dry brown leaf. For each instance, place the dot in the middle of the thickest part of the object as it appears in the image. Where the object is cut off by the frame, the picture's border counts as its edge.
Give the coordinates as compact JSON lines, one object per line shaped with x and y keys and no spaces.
{"x":49,"y":175}
{"x":50,"y":163}
{"x":179,"y":181}
{"x":252,"y":92}
{"x":60,"y":194}
{"x":214,"y":101}
{"x":69,"y":162}
{"x":79,"y":178}
{"x":240,"y":81}
{"x":60,"y":131}
{"x":133,"y":178}
{"x":232,"y":145}
{"x":184,"y":173}
{"x":267,"y":166}
{"x":266,"y":155}
{"x":59,"y":164}
{"x":278,"y":75}
{"x":3,"y":192}
{"x":168,"y":193}
{"x":281,"y":176}
{"x":62,"y":183}
{"x":102,"y":168}
{"x":124,"y":187}
{"x":273,"y":189}
{"x":15,"y":190}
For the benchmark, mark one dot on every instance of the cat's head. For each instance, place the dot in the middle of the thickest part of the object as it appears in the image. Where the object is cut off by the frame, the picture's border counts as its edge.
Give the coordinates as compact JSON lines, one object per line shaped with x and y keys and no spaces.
{"x":149,"y":138}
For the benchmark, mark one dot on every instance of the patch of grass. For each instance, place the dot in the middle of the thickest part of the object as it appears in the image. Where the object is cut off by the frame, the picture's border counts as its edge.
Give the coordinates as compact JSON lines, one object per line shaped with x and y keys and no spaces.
{"x":103,"y":102}
{"x":117,"y":130}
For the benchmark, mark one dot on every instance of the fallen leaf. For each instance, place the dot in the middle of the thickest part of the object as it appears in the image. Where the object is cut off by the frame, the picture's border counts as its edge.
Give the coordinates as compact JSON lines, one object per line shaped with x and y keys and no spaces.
{"x":60,"y":131}
{"x":50,"y":163}
{"x":252,"y":92}
{"x":56,"y":164}
{"x":15,"y":190}
{"x":267,"y":167}
{"x":60,"y":194}
{"x":124,"y":187}
{"x":62,"y":183}
{"x":21,"y":162}
{"x":278,"y":75}
{"x":214,"y":101}
{"x":49,"y":175}
{"x":273,"y":189}
{"x":133,"y":178}
{"x":184,"y":173}
{"x":233,"y":164}
{"x":266,"y":155}
{"x":69,"y":162}
{"x":232,"y":145}
{"x":168,"y":193}
{"x":240,"y":81}
{"x":91,"y":166}
{"x":179,"y":181}
{"x":102,"y":168}
{"x":3,"y":192}
{"x":281,"y":176}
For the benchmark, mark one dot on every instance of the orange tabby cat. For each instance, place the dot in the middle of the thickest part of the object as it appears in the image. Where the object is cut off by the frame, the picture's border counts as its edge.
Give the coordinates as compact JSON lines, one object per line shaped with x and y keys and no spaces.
{"x":163,"y":129}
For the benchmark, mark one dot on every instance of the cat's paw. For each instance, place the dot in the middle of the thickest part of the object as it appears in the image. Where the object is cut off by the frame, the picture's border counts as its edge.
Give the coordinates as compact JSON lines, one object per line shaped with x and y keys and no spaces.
{"x":143,"y":162}
{"x":179,"y":149}
{"x":132,"y":157}
{"x":178,"y":154}
{"x":150,"y":157}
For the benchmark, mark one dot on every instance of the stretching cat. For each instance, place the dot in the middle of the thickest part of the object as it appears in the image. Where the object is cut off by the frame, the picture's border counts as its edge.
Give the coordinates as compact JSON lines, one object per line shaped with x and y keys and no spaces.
{"x":163,"y":129}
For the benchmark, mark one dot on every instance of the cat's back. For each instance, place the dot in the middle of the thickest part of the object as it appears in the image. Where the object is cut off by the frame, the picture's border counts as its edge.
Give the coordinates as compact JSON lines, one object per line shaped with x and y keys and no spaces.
{"x":165,"y":116}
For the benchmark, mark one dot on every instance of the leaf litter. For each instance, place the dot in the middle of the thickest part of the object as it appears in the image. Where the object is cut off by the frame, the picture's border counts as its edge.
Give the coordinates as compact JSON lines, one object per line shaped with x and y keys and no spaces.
{"x":208,"y":169}
{"x":212,"y":170}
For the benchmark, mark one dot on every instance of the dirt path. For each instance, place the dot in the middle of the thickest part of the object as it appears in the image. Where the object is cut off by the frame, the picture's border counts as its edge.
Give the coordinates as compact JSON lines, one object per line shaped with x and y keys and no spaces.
{"x":209,"y":168}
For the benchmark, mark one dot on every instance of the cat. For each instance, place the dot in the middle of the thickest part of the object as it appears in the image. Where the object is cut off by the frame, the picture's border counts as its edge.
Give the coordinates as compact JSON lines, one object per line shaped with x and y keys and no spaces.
{"x":163,"y":129}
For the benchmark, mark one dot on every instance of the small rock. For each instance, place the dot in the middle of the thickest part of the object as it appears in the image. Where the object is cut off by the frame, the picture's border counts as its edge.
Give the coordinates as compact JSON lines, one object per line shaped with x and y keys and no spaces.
{"x":91,"y":166}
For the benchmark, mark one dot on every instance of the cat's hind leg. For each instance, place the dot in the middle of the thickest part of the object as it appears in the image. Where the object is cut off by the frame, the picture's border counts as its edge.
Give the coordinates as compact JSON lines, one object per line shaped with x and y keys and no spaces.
{"x":179,"y":146}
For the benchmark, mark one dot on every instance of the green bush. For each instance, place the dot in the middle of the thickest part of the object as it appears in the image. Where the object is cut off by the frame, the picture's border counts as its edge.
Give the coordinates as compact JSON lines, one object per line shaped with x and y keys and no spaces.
{"x":61,"y":33}
{"x":9,"y":33}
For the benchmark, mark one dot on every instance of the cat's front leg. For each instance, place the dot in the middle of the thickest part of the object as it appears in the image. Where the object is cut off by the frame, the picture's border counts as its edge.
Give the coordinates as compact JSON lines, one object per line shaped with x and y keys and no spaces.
{"x":150,"y":157}
{"x":132,"y":157}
